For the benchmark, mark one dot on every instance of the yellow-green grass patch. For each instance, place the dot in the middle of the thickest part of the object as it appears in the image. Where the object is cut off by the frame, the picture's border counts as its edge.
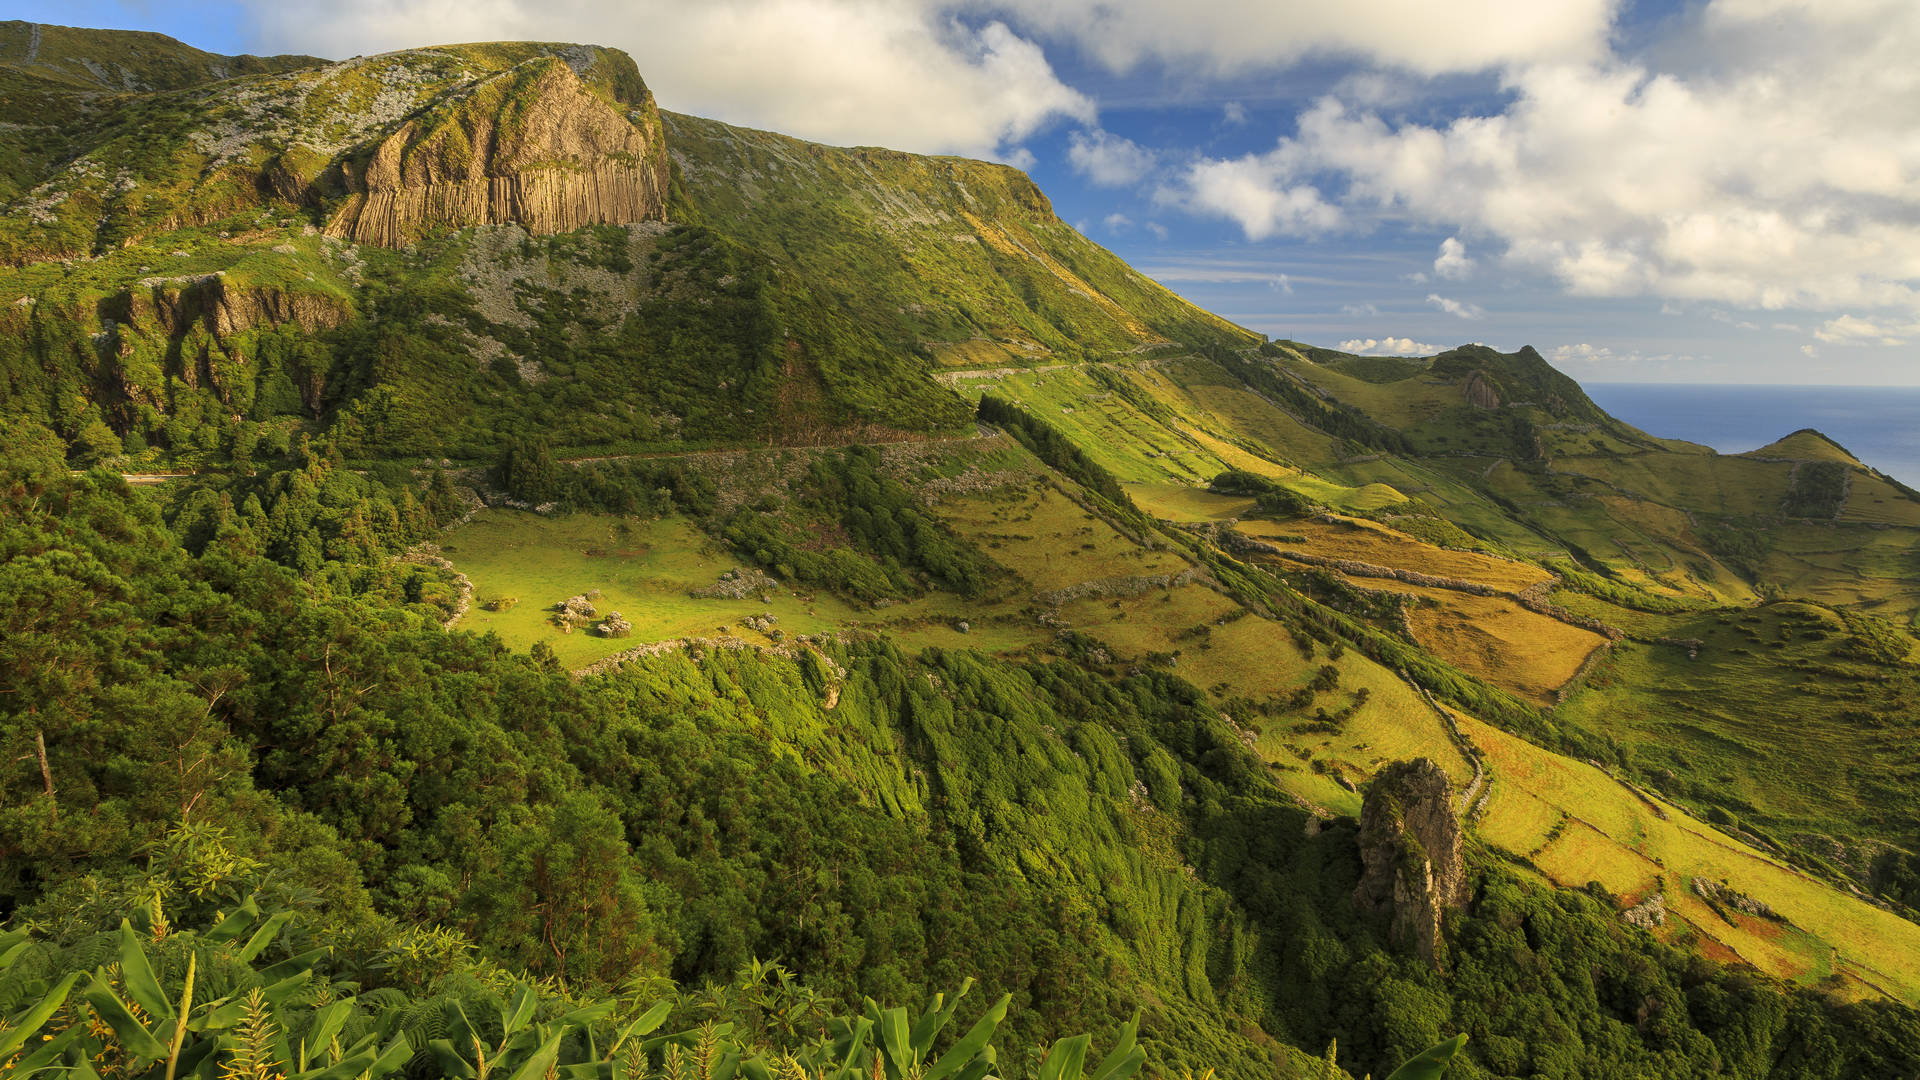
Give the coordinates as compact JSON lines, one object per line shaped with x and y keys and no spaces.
{"x":1626,"y":834}
{"x":1498,"y":640}
{"x":1051,"y":541}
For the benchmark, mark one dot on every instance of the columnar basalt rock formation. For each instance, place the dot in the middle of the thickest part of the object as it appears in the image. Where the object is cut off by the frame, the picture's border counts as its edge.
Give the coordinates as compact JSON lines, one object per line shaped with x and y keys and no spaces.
{"x":531,"y":146}
{"x":1410,"y":851}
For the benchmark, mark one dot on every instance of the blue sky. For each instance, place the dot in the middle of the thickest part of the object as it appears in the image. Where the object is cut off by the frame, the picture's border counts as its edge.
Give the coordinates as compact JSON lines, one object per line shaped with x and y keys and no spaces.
{"x":1719,"y":191}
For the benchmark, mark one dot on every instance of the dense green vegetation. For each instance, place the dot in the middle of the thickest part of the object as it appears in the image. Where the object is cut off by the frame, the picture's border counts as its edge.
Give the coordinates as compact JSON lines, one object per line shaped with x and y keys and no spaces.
{"x":947,"y":816}
{"x":234,"y":697}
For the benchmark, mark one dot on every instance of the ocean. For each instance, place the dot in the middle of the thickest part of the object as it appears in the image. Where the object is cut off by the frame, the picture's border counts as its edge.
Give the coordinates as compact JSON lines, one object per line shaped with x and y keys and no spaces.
{"x":1879,"y":424}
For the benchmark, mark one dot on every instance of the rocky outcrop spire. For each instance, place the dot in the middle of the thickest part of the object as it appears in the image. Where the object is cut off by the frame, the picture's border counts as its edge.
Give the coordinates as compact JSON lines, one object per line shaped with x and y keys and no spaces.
{"x":1410,"y":852}
{"x":531,"y":146}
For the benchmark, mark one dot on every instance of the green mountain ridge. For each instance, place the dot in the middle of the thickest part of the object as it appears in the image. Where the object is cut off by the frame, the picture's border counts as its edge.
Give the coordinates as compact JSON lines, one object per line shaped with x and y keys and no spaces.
{"x":730,"y":547}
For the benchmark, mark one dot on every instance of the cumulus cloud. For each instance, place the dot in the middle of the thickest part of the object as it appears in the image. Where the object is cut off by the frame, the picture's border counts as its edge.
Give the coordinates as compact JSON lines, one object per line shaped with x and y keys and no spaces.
{"x":1158,"y":230}
{"x":1459,"y":308}
{"x":1854,"y":330}
{"x":1223,"y":36}
{"x":1769,"y":164}
{"x":1234,"y":113}
{"x":1117,"y":222}
{"x":1252,"y":192}
{"x":1391,"y":346}
{"x":1452,"y":262}
{"x":1107,"y":159}
{"x":902,"y":74}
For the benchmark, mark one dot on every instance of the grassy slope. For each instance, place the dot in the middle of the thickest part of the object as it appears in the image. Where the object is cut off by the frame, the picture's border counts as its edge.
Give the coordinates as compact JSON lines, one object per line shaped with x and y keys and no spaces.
{"x":1027,"y":521}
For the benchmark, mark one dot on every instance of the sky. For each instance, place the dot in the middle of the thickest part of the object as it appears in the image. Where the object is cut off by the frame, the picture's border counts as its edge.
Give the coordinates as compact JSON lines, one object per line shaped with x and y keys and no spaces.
{"x":1714,"y":191}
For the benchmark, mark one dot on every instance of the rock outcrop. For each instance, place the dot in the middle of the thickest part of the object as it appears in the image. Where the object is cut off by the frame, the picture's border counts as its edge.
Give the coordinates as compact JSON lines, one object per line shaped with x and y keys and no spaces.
{"x":532,"y":146}
{"x":1410,"y":852}
{"x":1648,"y":914}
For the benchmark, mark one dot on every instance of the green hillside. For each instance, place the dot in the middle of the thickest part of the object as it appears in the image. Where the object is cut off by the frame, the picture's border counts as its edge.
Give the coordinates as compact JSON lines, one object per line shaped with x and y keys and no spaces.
{"x":731,"y":551}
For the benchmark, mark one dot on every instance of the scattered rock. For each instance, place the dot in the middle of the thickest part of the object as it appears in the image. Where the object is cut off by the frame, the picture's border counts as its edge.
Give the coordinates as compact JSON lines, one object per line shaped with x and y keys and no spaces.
{"x":501,"y":603}
{"x":614,"y":625}
{"x":1721,"y":894}
{"x":1648,"y":913}
{"x":762,"y":622}
{"x":737,"y":584}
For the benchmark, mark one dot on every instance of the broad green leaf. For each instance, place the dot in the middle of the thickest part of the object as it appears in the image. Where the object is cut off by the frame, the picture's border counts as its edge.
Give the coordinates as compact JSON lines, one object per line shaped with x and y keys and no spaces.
{"x":536,"y":1066}
{"x":451,"y":1061}
{"x":364,"y":1062}
{"x":461,"y":1034}
{"x":264,"y":936}
{"x":856,"y":1042}
{"x":278,"y":993}
{"x":1126,"y":1057}
{"x":218,"y":1015}
{"x":1064,"y":1061}
{"x":972,"y":1043}
{"x":894,"y":1037}
{"x":114,"y":1012}
{"x":981,"y":1066}
{"x":233,"y":923}
{"x":939,"y":1013}
{"x":585,"y":1015}
{"x":327,"y":1022}
{"x":1432,"y":1062}
{"x":641,"y":1025}
{"x":28,"y":1021}
{"x":44,"y":1057}
{"x":12,"y":944}
{"x":142,"y":985}
{"x":515,"y":1014}
{"x":302,"y":963}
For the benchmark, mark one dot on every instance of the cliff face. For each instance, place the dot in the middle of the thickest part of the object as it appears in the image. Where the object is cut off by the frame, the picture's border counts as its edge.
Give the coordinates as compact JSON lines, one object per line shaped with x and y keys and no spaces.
{"x":1410,"y":850}
{"x":531,"y":146}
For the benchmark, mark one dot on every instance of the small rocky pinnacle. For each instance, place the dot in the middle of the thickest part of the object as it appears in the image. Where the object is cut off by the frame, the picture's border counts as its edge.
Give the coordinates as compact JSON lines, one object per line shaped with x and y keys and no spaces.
{"x":1410,"y":853}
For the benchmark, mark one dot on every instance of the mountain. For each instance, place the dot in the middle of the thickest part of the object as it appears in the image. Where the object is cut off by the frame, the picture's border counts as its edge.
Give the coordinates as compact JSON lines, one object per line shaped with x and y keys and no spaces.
{"x":517,"y":534}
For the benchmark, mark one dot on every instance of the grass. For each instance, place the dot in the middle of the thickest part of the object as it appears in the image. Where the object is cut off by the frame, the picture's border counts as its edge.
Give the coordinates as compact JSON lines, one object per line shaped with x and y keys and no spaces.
{"x":1501,"y":642}
{"x":1777,"y":718}
{"x":644,"y":570}
{"x":1615,"y":838}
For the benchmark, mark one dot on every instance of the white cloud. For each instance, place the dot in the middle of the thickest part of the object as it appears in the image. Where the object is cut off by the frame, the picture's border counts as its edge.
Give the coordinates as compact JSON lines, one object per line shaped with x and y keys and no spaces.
{"x":1107,"y":159}
{"x":1237,"y":35}
{"x":1452,"y":262}
{"x":1019,"y":157}
{"x":1234,"y":113}
{"x":1117,"y":222}
{"x":1358,"y":309}
{"x":1158,"y":230}
{"x":1391,"y":346}
{"x":1458,"y":308}
{"x":1279,"y":283}
{"x":1601,"y":360}
{"x":1253,"y":193}
{"x":905,"y":75}
{"x":1767,"y":161}
{"x":1854,"y":330}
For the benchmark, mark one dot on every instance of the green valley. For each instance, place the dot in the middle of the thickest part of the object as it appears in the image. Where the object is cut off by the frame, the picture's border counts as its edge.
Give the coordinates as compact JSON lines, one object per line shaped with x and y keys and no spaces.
{"x":618,"y":573}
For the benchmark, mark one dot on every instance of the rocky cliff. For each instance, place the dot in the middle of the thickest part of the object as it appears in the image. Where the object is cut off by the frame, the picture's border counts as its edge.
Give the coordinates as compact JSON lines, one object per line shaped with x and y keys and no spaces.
{"x":531,"y":146}
{"x":1410,"y":851}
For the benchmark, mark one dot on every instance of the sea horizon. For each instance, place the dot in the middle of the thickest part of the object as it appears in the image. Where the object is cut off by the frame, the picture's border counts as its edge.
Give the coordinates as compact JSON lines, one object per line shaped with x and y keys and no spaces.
{"x":1880,"y":425}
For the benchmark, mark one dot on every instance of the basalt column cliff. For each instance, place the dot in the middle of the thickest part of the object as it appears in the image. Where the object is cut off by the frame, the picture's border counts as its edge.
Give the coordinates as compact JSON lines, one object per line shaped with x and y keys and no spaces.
{"x":531,"y":146}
